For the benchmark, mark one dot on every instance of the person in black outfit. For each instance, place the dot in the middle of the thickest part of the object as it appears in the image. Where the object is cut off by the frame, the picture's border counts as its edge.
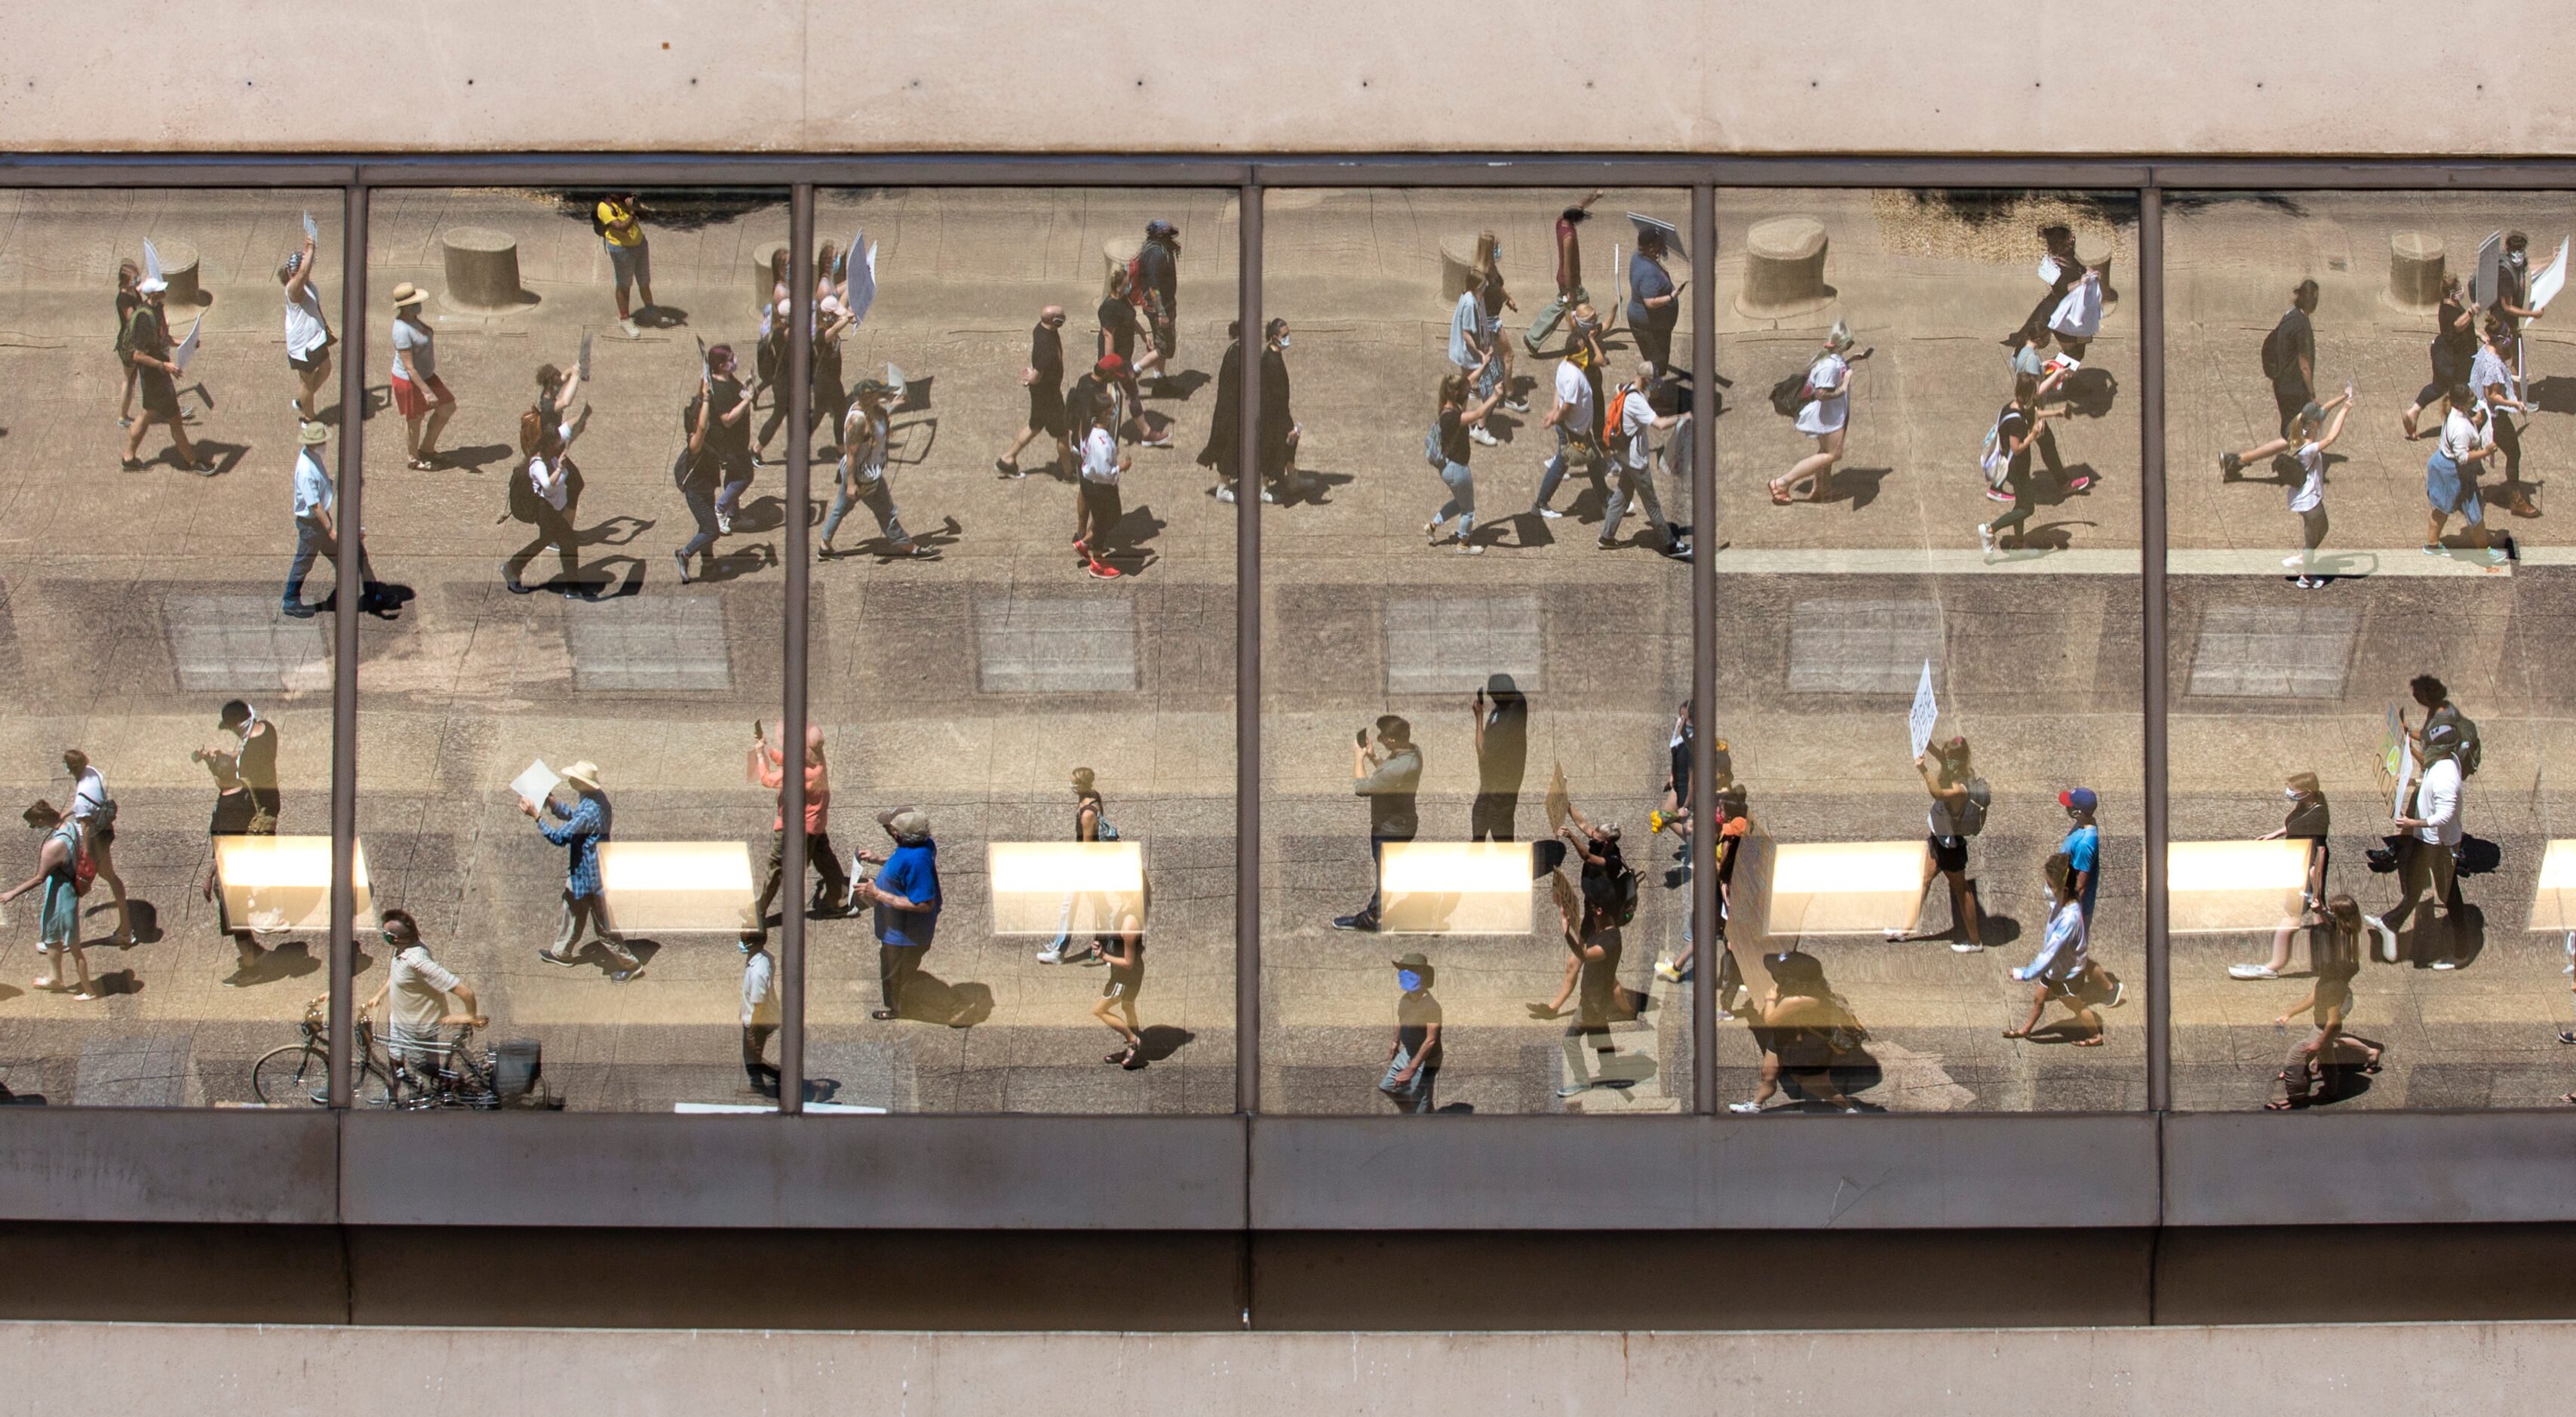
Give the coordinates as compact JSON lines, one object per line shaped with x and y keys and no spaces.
{"x":1387,"y":775}
{"x":1502,"y":755}
{"x":2334,"y":952}
{"x":1158,"y":265}
{"x":1279,"y":430}
{"x":1044,"y":376}
{"x":2309,"y":820}
{"x":2454,"y":347}
{"x":1224,"y":449}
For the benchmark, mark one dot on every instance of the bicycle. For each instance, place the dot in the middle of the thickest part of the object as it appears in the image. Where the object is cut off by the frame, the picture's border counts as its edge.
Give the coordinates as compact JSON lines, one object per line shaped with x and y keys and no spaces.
{"x":460,"y":1075}
{"x":301,"y":1072}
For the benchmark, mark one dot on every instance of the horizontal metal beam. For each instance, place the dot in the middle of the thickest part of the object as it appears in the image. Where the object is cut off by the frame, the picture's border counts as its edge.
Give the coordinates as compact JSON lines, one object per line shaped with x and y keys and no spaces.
{"x":2369,"y":1168}
{"x":826,"y":1172}
{"x":1716,"y":1173}
{"x":230,"y":1166}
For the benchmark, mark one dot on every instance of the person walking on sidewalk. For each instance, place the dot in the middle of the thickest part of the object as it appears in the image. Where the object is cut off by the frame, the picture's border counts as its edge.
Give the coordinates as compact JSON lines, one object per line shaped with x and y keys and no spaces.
{"x":2334,"y":953}
{"x":1388,"y":775}
{"x":832,"y":898}
{"x":94,"y":813}
{"x":1454,"y":433}
{"x":717,"y":464}
{"x":863,"y":478}
{"x":2064,"y":958}
{"x":1590,"y":926}
{"x":2451,"y":478}
{"x":548,"y":497}
{"x":317,"y":534}
{"x":1043,"y":376}
{"x":2290,"y":364}
{"x":2309,"y":820}
{"x":760,"y":1012}
{"x":1824,"y":411}
{"x":1654,"y":308}
{"x":2317,"y":432}
{"x":1577,"y":428}
{"x":2017,"y":427}
{"x":128,"y":300}
{"x":308,"y":331}
{"x":906,"y":895}
{"x":586,"y":826}
{"x":420,"y":396}
{"x":148,"y":353}
{"x":419,"y":986}
{"x":1121,"y":946}
{"x":2493,"y":382}
{"x":1569,"y":273}
{"x":1158,"y":278}
{"x":2453,"y":350}
{"x":58,"y":916}
{"x":1502,"y":757}
{"x":1090,"y":823}
{"x":1413,"y":1060}
{"x":1492,"y":299}
{"x":1097,"y":511}
{"x":1630,"y":427}
{"x":1956,"y":813}
{"x":618,"y":218}
{"x":2427,"y":861}
{"x":1473,"y":358}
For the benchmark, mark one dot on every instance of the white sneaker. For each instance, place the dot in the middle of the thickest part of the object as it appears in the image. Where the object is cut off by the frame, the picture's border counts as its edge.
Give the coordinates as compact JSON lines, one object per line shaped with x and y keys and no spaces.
{"x":1269,"y":496}
{"x":1225,"y":495}
{"x":1469,"y":548}
{"x":1479,"y":434}
{"x":1665,"y":971}
{"x":2446,"y":964}
{"x":1744,"y":1108}
{"x":1516,"y":405}
{"x":2252,"y":971}
{"x":629,"y":327}
{"x":1963,"y":947}
{"x":1551,"y":513}
{"x":1986,"y":539}
{"x":724,"y":523}
{"x":2387,"y":938}
{"x":2292,"y":563}
{"x":1431,"y":531}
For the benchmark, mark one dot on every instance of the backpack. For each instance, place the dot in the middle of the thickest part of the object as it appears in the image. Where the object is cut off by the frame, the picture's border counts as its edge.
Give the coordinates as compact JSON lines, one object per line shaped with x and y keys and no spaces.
{"x":1992,"y":455}
{"x":84,"y":870}
{"x":523,"y":500}
{"x":1971,"y":816}
{"x":1789,"y":395}
{"x":1136,"y":295}
{"x":2272,"y":354}
{"x":597,"y":227}
{"x":1431,"y":452}
{"x":1610,"y":417}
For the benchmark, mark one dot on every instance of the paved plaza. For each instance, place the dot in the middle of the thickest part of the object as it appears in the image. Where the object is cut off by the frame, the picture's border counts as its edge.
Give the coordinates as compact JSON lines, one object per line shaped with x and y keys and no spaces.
{"x":132,"y":604}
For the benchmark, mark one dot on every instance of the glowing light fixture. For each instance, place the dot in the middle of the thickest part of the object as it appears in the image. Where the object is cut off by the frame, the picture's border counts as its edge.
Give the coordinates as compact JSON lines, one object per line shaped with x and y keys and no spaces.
{"x":676,"y":887}
{"x":2230,"y":887}
{"x":1842,"y":887}
{"x":1455,"y":888}
{"x":274,"y":883}
{"x":1083,"y":887}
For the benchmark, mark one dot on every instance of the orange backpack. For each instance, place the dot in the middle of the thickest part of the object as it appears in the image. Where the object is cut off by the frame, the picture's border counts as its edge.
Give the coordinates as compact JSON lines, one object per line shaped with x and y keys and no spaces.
{"x":1610,"y":416}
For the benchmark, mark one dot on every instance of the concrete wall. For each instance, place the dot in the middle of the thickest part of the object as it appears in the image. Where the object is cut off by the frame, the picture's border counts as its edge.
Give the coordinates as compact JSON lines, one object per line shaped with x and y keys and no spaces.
{"x":1871,"y":76}
{"x":279,"y":1372}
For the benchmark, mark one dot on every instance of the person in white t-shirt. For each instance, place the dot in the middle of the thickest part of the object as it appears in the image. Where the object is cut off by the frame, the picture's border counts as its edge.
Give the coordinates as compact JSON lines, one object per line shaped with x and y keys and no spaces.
{"x":308,"y":333}
{"x":1823,"y":413}
{"x":2451,"y":476}
{"x":419,"y":987}
{"x":1097,"y":514}
{"x":550,"y":472}
{"x":2432,"y":833}
{"x":2317,"y":432}
{"x":1634,"y":459}
{"x":760,"y":1016}
{"x":1577,"y":427}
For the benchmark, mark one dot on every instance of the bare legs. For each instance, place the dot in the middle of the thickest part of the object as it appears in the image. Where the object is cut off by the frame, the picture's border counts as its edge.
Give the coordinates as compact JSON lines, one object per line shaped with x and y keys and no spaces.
{"x":1818,"y":465}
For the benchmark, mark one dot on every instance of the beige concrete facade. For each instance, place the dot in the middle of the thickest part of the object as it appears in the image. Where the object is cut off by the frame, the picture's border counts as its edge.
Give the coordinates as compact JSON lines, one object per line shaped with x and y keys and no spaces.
{"x":281,"y":1371}
{"x":2199,"y":77}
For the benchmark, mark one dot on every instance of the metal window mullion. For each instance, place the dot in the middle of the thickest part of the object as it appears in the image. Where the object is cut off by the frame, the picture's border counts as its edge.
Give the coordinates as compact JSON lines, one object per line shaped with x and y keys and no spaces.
{"x":1247,"y":657}
{"x":791,"y":725}
{"x":2153,"y":626}
{"x":1703,"y":584}
{"x":350,"y":554}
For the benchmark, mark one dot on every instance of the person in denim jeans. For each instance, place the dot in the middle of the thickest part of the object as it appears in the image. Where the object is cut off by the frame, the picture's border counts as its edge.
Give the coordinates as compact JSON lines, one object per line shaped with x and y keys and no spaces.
{"x":718,"y":457}
{"x":1633,"y":456}
{"x":863,"y":477}
{"x":1413,"y":1061}
{"x":1573,"y":418}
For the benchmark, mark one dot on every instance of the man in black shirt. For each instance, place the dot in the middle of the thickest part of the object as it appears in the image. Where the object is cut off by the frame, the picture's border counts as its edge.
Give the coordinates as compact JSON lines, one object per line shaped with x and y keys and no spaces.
{"x":2290,"y":362}
{"x":1279,"y":430}
{"x":1502,"y":755}
{"x":1158,"y":263}
{"x":1387,"y":776}
{"x":1224,"y":448}
{"x":1044,"y":376}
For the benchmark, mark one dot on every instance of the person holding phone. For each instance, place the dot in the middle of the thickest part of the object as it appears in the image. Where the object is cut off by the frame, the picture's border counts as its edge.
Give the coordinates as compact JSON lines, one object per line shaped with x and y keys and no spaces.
{"x":1388,"y":775}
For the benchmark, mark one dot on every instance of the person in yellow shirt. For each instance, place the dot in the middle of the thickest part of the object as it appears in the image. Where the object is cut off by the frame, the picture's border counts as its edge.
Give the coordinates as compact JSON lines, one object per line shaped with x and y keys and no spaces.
{"x":616,"y":219}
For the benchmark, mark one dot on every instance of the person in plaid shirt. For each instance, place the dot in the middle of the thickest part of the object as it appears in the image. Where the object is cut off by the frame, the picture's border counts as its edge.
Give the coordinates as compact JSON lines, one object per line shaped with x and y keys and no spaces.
{"x":585,"y":826}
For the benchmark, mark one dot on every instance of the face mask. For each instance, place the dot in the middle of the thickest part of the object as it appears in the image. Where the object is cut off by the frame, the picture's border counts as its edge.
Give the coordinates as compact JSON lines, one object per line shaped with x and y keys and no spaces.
{"x":2514,"y":257}
{"x":1283,"y":341}
{"x":1410,"y":980}
{"x":2290,"y":792}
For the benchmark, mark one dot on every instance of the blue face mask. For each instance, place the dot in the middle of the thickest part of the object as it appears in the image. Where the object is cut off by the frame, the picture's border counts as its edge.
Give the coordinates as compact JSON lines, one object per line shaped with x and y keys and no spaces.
{"x":1410,"y":980}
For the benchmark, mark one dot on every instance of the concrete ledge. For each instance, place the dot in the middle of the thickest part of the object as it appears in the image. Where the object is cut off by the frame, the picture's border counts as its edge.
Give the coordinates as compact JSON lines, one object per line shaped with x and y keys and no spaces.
{"x":1544,"y":1173}
{"x":964,"y":1173}
{"x":2369,"y":1168}
{"x":241,"y":1167}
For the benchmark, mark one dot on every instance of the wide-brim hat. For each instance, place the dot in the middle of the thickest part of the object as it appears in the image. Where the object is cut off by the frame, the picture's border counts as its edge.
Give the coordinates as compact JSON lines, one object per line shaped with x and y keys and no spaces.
{"x":409,"y":294}
{"x":313,"y":434}
{"x":584,"y":772}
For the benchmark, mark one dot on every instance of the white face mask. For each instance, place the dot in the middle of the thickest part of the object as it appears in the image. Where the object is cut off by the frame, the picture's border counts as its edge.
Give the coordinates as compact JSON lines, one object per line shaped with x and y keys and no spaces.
{"x":1283,"y":341}
{"x":2290,"y":792}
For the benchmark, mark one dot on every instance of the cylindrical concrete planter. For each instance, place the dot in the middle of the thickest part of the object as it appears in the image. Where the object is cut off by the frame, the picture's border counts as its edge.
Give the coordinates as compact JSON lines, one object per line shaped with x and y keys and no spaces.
{"x":1784,"y":268}
{"x":2417,"y":261}
{"x":483,"y":269}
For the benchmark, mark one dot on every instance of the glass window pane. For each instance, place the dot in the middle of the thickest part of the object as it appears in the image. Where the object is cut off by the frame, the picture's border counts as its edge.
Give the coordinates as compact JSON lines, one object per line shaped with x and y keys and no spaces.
{"x":1460,"y":659}
{"x":1062,"y":715}
{"x":140,"y":621}
{"x":1890,"y":576}
{"x":2338,"y":585}
{"x":531,"y":355}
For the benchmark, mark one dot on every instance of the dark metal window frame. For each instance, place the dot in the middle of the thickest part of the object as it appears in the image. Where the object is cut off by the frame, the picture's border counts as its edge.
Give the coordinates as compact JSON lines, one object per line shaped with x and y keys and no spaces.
{"x":1251,"y":1170}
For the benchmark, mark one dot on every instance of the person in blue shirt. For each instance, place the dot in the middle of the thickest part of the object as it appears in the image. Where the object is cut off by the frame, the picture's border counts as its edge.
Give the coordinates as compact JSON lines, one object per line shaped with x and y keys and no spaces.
{"x":906,"y":895}
{"x":1654,"y":302}
{"x":2083,"y":844}
{"x":585,"y":826}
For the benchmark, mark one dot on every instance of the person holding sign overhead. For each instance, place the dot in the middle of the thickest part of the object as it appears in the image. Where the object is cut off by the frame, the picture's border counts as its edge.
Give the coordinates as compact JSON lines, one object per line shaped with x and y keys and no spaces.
{"x":585,"y":825}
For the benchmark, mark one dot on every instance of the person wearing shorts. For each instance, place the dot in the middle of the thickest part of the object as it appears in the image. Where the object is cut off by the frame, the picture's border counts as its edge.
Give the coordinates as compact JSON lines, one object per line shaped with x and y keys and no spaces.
{"x":2451,"y":476}
{"x":1158,"y":261}
{"x":1947,"y":771}
{"x":1044,"y":377}
{"x":420,"y":396}
{"x":1123,"y":950}
{"x":308,"y":332}
{"x":58,"y":922}
{"x":630,"y":257}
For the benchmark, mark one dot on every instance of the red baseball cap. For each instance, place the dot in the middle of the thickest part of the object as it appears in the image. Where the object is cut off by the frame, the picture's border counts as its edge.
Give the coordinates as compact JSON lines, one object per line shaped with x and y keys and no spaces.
{"x":1110,"y":364}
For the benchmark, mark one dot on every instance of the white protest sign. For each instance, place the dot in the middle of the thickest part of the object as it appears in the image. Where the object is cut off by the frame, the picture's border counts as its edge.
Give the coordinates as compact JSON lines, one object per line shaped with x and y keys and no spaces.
{"x":2490,"y":258}
{"x":312,"y":232}
{"x":2546,"y":285}
{"x":537,"y":783}
{"x":863,"y":287}
{"x":187,"y":349}
{"x":1919,"y":719}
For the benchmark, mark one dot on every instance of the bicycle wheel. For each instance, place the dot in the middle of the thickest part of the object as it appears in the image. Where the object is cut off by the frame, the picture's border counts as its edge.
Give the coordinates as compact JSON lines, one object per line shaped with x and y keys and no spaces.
{"x":292,"y":1073}
{"x":372,"y":1088}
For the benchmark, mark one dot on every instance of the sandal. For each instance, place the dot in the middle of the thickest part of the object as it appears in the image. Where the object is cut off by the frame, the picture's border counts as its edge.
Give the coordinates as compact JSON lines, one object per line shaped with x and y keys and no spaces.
{"x":2279,"y":1104}
{"x":2093,"y":1042}
{"x":1779,"y":495}
{"x":2373,"y":1065}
